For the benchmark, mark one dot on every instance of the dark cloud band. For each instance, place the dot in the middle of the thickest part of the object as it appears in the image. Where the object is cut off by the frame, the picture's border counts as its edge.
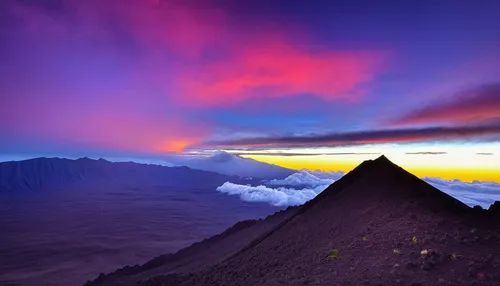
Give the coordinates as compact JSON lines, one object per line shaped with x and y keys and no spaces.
{"x":368,"y":137}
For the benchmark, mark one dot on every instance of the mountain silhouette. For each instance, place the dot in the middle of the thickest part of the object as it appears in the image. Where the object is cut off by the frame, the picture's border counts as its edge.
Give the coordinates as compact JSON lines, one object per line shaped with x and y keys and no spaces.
{"x":377,"y":225}
{"x":55,"y":173}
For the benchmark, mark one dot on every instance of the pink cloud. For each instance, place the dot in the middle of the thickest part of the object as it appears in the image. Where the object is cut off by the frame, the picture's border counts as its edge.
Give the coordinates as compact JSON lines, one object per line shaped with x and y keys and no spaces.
{"x":276,"y":68}
{"x":480,"y":104}
{"x":114,"y":122}
{"x":132,"y":133}
{"x":255,"y":63}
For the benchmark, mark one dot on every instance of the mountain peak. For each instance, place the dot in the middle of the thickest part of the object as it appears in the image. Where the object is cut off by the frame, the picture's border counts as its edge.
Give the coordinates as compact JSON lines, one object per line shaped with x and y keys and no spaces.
{"x":222,"y":156}
{"x":383,"y":160}
{"x":366,"y":213}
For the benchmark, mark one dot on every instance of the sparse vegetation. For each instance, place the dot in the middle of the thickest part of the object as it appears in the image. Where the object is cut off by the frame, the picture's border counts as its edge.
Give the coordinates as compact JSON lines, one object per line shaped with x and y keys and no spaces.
{"x":334,"y":253}
{"x":414,"y":240}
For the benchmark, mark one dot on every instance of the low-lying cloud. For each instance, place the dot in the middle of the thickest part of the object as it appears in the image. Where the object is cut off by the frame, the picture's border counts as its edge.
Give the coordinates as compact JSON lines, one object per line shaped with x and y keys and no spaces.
{"x":476,"y":193}
{"x":295,"y":189}
{"x":303,"y":186}
{"x":276,"y":196}
{"x":302,"y":178}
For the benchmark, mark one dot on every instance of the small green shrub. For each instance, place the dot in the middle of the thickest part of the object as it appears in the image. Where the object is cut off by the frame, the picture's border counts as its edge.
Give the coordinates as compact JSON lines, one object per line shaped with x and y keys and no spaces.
{"x":334,"y":253}
{"x":414,"y":240}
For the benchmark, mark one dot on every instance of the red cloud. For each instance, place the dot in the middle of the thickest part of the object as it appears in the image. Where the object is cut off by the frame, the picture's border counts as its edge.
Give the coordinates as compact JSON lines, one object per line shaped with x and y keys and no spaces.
{"x":279,"y":68}
{"x":473,"y":105}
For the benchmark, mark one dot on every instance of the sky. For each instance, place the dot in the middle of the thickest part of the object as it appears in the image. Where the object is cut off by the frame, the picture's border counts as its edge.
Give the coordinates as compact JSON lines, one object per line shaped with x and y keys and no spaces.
{"x":310,"y":84}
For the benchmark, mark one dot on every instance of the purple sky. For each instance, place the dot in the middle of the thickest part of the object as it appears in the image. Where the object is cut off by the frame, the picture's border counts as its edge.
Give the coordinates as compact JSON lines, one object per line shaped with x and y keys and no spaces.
{"x":109,"y":77}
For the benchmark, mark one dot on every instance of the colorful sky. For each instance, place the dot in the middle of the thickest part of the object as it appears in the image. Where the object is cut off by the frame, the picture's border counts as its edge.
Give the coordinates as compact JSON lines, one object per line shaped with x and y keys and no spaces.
{"x":328,"y":83}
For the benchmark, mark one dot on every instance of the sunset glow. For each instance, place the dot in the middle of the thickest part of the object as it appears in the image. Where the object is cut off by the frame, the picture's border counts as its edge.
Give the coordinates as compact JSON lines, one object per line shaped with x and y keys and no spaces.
{"x":133,"y":78}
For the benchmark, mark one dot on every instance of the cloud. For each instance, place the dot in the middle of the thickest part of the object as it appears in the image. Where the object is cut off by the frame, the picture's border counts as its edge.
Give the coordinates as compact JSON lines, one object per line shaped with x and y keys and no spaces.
{"x":476,"y":193}
{"x":474,"y":105}
{"x":426,"y":153}
{"x":105,"y":130}
{"x":154,"y":25}
{"x":365,"y":137}
{"x":139,"y":66}
{"x":295,"y":189}
{"x":272,"y":66}
{"x":276,"y":196}
{"x":244,"y":61}
{"x":229,"y":164}
{"x":302,"y":178}
{"x":291,"y":154}
{"x":332,"y":175}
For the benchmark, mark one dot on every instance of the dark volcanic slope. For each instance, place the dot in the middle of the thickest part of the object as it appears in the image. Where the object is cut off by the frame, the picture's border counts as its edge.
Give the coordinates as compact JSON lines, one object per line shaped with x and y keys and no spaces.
{"x":377,"y":225}
{"x":199,"y":255}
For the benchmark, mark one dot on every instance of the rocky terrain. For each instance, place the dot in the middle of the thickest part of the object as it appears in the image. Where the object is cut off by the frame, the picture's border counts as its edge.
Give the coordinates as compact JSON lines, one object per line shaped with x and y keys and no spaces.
{"x":378,"y":225}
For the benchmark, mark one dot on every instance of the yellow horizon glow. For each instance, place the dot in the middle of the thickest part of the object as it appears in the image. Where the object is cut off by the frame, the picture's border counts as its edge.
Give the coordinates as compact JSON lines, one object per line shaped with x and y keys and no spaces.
{"x":457,"y":162}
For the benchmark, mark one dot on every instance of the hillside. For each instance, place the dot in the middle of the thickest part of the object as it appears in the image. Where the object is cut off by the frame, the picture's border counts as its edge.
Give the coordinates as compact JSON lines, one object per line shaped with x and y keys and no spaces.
{"x":48,"y":173}
{"x":378,"y":225}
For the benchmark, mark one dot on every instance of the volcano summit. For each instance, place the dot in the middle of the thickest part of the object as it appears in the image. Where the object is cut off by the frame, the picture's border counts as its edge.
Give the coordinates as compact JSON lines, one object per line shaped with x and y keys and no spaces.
{"x":378,"y":225}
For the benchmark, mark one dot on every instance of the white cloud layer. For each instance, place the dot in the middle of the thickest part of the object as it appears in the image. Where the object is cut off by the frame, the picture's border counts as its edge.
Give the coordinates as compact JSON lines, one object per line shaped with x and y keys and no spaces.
{"x":476,"y":193}
{"x":303,"y":186}
{"x":280,"y":196}
{"x":295,"y":189}
{"x":302,"y":178}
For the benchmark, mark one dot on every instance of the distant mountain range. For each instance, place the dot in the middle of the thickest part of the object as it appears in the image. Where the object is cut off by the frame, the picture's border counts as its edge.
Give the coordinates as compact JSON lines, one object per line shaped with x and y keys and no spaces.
{"x":46,"y":173}
{"x":377,"y":225}
{"x":234,"y":165}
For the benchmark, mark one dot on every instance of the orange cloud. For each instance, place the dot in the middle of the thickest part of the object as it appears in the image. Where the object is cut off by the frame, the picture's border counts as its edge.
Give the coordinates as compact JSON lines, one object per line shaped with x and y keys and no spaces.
{"x":140,"y":133}
{"x":178,"y":144}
